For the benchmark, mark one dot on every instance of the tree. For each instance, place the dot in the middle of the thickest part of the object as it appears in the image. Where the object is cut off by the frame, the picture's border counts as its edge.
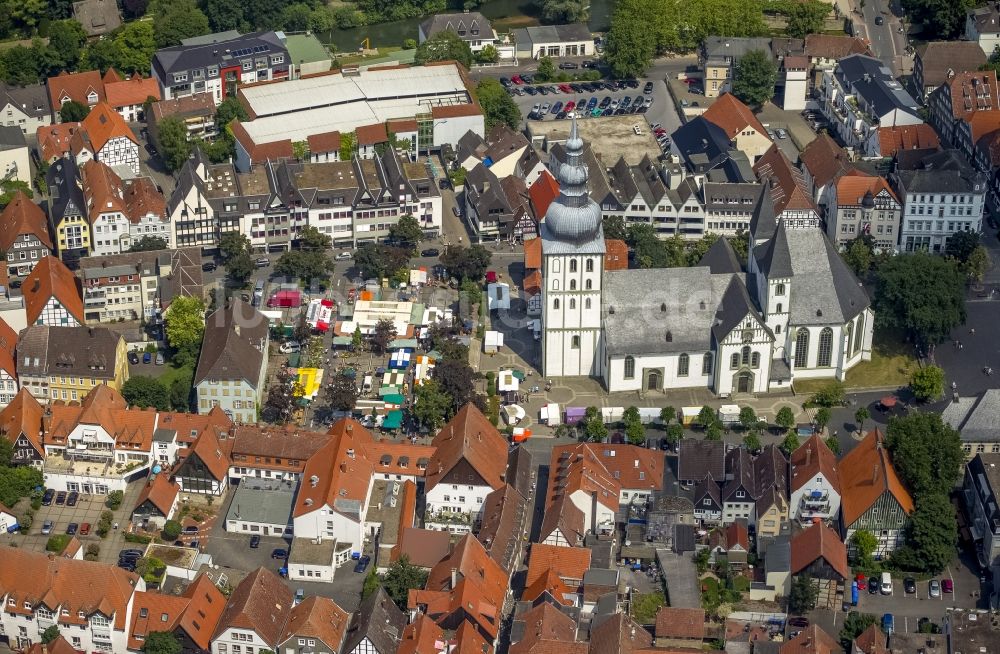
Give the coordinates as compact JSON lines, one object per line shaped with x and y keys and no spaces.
{"x":667,"y":414}
{"x":431,"y":404}
{"x":180,"y":388}
{"x":171,"y":530}
{"x":961,"y":244}
{"x":863,"y":544}
{"x":713,"y":432}
{"x":858,"y":255}
{"x":115,"y":499}
{"x":752,"y":442}
{"x":707,"y":416}
{"x":371,"y":584}
{"x":565,"y":11}
{"x":630,"y":46}
{"x":185,"y":318}
{"x":406,"y":232}
{"x":235,"y":251}
{"x":922,"y":294}
{"x":978,"y":263}
{"x":498,"y":106}
{"x":546,"y":69}
{"x":854,"y":625}
{"x":467,"y":263}
{"x":790,"y":443}
{"x":50,"y":634}
{"x":378,"y":261}
{"x":175,"y":20}
{"x":927,"y":383}
{"x":225,"y":15}
{"x":804,"y":18}
{"x":342,"y":393}
{"x":171,"y":138}
{"x":135,"y":44}
{"x":356,"y":338}
{"x":803,"y":595}
{"x":312,"y":240}
{"x":457,"y":381}
{"x":22,"y":66}
{"x":306,"y":265}
{"x":926,"y":452}
{"x":383,"y":333}
{"x":860,"y":416}
{"x":785,"y":418}
{"x":66,"y":41}
{"x":822,"y":418}
{"x":73,"y":111}
{"x":295,"y":18}
{"x":280,"y":401}
{"x":755,"y":77}
{"x":231,"y":109}
{"x":149,"y":244}
{"x":931,"y":537}
{"x":401,"y":578}
{"x":939,"y":19}
{"x":18,"y":482}
{"x":594,"y":426}
{"x":833,"y":444}
{"x":614,"y":228}
{"x":161,"y":642}
{"x":444,"y":46}
{"x":142,"y":391}
{"x":748,"y":418}
{"x":675,"y":433}
{"x":635,"y":433}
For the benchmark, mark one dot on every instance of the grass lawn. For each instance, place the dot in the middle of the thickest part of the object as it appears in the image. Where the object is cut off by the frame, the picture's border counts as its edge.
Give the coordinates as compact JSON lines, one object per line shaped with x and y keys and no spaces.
{"x":891,"y":365}
{"x":170,"y":373}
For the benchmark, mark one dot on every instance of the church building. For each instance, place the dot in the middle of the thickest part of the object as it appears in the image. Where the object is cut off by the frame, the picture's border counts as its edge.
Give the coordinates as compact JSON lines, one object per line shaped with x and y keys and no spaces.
{"x":797,"y":312}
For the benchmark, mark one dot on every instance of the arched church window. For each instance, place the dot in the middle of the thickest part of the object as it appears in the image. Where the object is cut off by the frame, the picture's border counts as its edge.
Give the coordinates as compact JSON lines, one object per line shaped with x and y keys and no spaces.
{"x":590,"y":265}
{"x":706,"y":364}
{"x":586,"y":303}
{"x":572,"y":284}
{"x":572,"y":304}
{"x":629,"y":367}
{"x":745,"y":356}
{"x":588,"y":284}
{"x":572,"y":265}
{"x":683,"y":362}
{"x":555,"y":304}
{"x":825,"y":353}
{"x":802,"y":348}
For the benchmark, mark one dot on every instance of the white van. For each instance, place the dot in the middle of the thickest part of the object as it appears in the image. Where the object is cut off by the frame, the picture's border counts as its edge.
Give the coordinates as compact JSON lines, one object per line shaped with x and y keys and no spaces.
{"x":366,"y":386}
{"x":886,"y":585}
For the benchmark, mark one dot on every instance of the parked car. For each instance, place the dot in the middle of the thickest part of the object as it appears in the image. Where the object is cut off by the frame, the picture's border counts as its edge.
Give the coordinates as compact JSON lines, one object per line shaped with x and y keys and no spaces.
{"x":46,"y":527}
{"x":879,"y":20}
{"x":279,"y":553}
{"x":648,"y":88}
{"x":133,"y":358}
{"x":147,"y":357}
{"x":191,"y":529}
{"x":430,"y":252}
{"x":60,"y":498}
{"x":545,"y":108}
{"x":782,"y":134}
{"x":15,"y":283}
{"x":934,"y":588}
{"x":72,"y":498}
{"x":263,"y":262}
{"x":568,"y":65}
{"x":85,"y":529}
{"x":948,"y":586}
{"x":129,"y":554}
{"x":300,"y":595}
{"x":798,"y":621}
{"x":458,"y":214}
{"x":48,"y":496}
{"x":872,"y":586}
{"x":159,"y":358}
{"x":531,"y":90}
{"x":888,"y":623}
{"x":72,"y":528}
{"x":289,"y":346}
{"x":910,"y":585}
{"x":886,"y":584}
{"x":254,"y":542}
{"x":346,"y":256}
{"x":209,"y":266}
{"x":517,"y":79}
{"x":556,"y":108}
{"x":362,"y":564}
{"x":504,"y":81}
{"x":195,"y":544}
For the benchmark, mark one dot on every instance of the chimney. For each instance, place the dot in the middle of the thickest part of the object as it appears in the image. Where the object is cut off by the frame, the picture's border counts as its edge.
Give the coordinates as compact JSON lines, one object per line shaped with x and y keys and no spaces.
{"x":809,"y":452}
{"x":454,"y":578}
{"x":874,"y":474}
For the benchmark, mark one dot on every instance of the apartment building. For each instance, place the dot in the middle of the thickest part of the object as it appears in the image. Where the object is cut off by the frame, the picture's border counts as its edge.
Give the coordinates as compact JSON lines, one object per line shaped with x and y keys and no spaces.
{"x":718,"y":56}
{"x":864,"y":205}
{"x":980,"y":487}
{"x":65,"y":363}
{"x":52,"y":295}
{"x":814,"y":482}
{"x":24,"y":235}
{"x":959,"y":98}
{"x":26,"y":107}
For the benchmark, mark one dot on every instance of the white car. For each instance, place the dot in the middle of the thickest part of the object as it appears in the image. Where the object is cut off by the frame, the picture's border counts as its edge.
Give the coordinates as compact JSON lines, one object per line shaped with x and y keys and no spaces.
{"x":545,"y":108}
{"x":343,"y":256}
{"x":288,"y":347}
{"x":781,"y":133}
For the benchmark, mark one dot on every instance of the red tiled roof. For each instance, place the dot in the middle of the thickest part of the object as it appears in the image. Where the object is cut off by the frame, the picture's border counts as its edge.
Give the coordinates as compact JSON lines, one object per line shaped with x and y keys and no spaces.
{"x":547,"y":630}
{"x":422,"y":636}
{"x":161,"y":492}
{"x":547,"y":582}
{"x":342,"y":468}
{"x":682,"y":623}
{"x":737,"y":536}
{"x":54,"y":140}
{"x":990,"y":144}
{"x":371,"y":134}
{"x":23,"y":217}
{"x":455,"y":111}
{"x":320,"y":618}
{"x":401,"y":125}
{"x":261,"y":152}
{"x":983,"y":122}
{"x":866,"y":473}
{"x":261,"y":603}
{"x":906,"y":137}
{"x":615,"y":254}
{"x":325,"y":142}
{"x":542,"y":193}
{"x":533,"y":254}
{"x":871,"y":641}
{"x":813,"y":458}
{"x":103,"y":123}
{"x":829,"y":46}
{"x":23,"y":416}
{"x":568,"y":562}
{"x":423,"y":547}
{"x":732,"y":116}
{"x":825,"y":160}
{"x":788,"y":184}
{"x":971,"y":92}
{"x":50,"y":278}
{"x":533,"y":281}
{"x":819,"y":542}
{"x":75,"y":86}
{"x":57,"y":646}
{"x":469,"y":436}
{"x":852,"y":187}
{"x":134,"y":91}
{"x":812,"y":640}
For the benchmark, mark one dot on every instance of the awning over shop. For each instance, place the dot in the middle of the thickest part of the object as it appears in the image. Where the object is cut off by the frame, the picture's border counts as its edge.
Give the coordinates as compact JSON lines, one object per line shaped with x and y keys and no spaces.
{"x":393,"y":420}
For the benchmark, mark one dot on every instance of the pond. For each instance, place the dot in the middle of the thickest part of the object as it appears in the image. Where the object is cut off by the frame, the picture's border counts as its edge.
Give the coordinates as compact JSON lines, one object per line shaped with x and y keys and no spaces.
{"x":505,"y":14}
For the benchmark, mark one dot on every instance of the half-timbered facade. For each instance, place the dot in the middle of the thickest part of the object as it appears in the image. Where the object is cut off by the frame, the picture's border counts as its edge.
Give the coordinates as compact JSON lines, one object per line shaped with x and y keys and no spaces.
{"x":24,"y":235}
{"x":21,"y":425}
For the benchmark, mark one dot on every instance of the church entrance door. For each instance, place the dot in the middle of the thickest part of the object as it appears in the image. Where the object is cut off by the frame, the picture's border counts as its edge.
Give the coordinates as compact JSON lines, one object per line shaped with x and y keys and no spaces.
{"x":653,"y":382}
{"x":744,"y":382}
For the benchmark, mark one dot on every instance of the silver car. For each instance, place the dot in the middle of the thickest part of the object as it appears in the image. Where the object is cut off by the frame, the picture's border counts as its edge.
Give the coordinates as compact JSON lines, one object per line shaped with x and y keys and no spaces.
{"x":934,"y":588}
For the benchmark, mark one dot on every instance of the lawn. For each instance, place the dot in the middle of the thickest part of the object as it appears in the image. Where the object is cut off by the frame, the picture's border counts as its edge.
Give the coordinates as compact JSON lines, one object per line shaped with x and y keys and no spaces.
{"x":891,"y":365}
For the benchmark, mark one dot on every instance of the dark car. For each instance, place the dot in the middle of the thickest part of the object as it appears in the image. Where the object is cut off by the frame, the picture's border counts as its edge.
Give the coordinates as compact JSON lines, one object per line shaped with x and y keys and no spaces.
{"x":254,"y":542}
{"x":799,"y":622}
{"x":71,"y":529}
{"x":648,"y":88}
{"x":209,"y":266}
{"x":910,"y":585}
{"x":60,"y":498}
{"x":568,"y":65}
{"x":632,"y":83}
{"x":191,"y":529}
{"x":72,"y":498}
{"x":133,"y":358}
{"x":362,"y":563}
{"x":147,"y":357}
{"x":178,"y":543}
{"x":444,"y":184}
{"x":528,"y":79}
{"x":879,"y":20}
{"x":48,"y":496}
{"x":588,"y":63}
{"x":15,"y":283}
{"x":873,"y":585}
{"x":430,"y":252}
{"x":605,"y":102}
{"x":194,"y":544}
{"x":150,"y":149}
{"x":530,"y":90}
{"x":279,"y":553}
{"x":505,"y":81}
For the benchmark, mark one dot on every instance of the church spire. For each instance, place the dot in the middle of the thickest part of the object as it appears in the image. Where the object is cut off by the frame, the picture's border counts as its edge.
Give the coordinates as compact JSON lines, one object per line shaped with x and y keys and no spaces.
{"x":573,"y":216}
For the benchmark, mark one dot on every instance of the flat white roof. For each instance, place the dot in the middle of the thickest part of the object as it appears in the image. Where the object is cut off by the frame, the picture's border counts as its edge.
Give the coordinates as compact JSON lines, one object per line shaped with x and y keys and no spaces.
{"x":299,"y":108}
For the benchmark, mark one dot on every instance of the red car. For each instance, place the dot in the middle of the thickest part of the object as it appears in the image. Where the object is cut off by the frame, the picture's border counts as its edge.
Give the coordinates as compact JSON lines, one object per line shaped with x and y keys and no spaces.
{"x":569,"y":106}
{"x":517,"y":79}
{"x":85,"y":529}
{"x":565,"y":88}
{"x":860,"y":578}
{"x":947,"y":585}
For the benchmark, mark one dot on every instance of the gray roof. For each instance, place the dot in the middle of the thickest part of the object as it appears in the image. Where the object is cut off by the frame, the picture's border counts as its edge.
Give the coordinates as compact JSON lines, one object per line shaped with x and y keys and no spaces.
{"x":65,"y":194}
{"x":872,"y":80}
{"x":824,"y":291}
{"x":660,"y":310}
{"x":977,"y":420}
{"x":380,"y":621}
{"x":704,"y":145}
{"x":697,"y":459}
{"x":232,"y":349}
{"x":738,"y":197}
{"x":544,"y":34}
{"x":940,"y":60}
{"x":470,"y":26}
{"x":942,"y":172}
{"x":600,"y":577}
{"x":986,"y":19}
{"x":306,"y":551}
{"x":763,"y":222}
{"x":70,"y":351}
{"x":264,"y":502}
{"x":721,"y":258}
{"x":11,"y":138}
{"x":33,"y":100}
{"x":221,"y":49}
{"x":725,"y":46}
{"x":779,"y":555}
{"x":97,"y":16}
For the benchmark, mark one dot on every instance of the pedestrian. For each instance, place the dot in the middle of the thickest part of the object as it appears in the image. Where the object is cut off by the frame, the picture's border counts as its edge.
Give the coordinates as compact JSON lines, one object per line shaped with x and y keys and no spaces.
{"x":960,"y":345}
{"x":973,"y":331}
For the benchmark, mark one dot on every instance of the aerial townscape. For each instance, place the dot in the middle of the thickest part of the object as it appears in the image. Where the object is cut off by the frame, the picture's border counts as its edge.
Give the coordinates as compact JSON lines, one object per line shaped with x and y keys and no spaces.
{"x":493,"y":327}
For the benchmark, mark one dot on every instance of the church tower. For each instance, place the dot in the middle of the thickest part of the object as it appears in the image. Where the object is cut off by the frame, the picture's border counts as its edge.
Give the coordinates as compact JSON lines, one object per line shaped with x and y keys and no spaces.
{"x":572,"y":270}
